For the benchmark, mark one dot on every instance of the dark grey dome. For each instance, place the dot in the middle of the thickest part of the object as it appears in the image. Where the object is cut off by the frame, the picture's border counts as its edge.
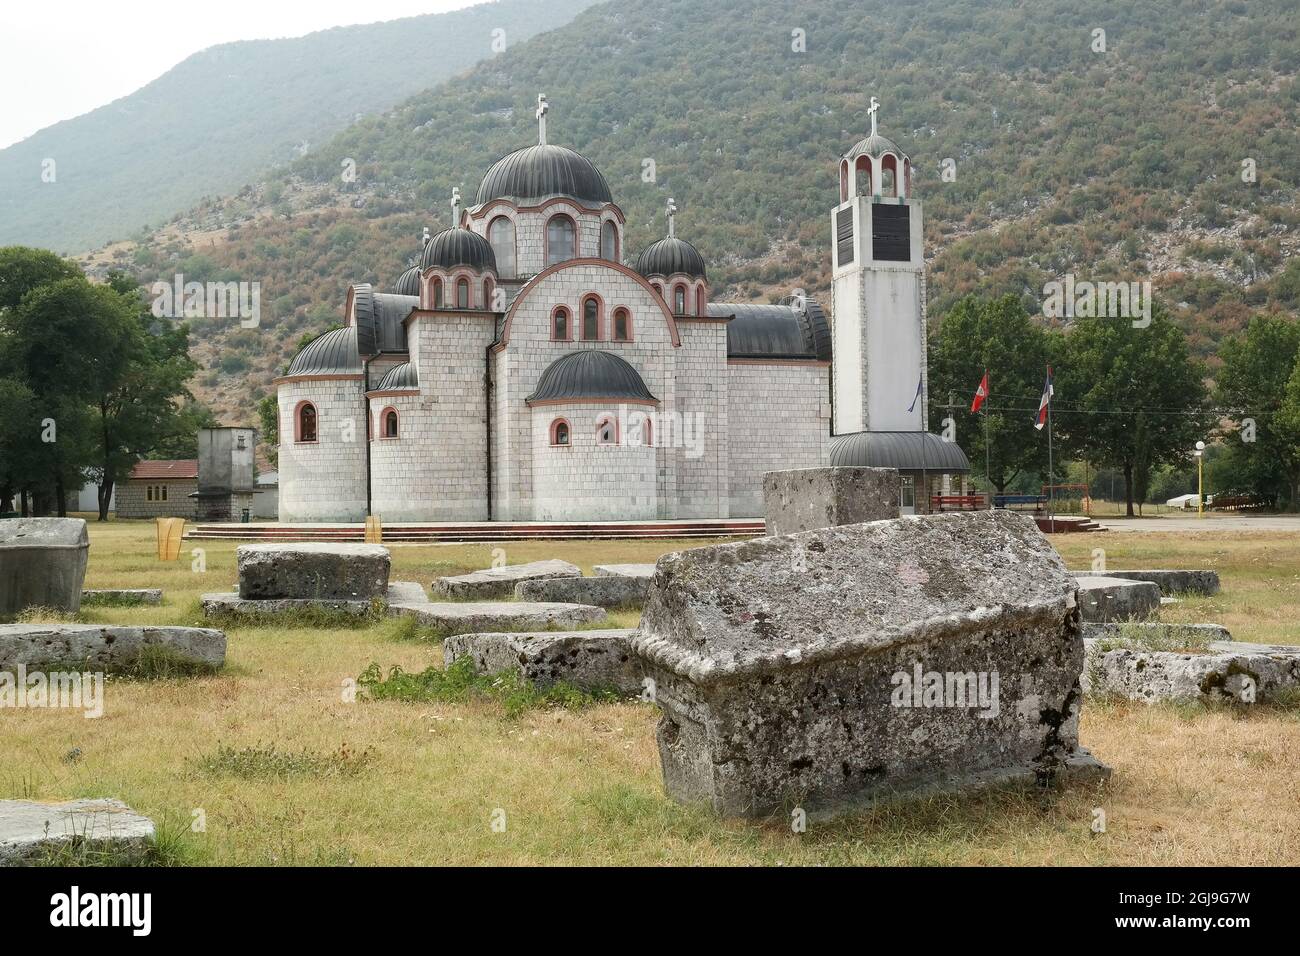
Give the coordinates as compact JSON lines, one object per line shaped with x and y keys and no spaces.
{"x":334,"y":353}
{"x":906,"y":451}
{"x":459,"y":247}
{"x":408,"y":283}
{"x":541,"y":172}
{"x":590,"y":374}
{"x":775,"y":331}
{"x":670,"y":256}
{"x":380,"y":319}
{"x":399,"y":376}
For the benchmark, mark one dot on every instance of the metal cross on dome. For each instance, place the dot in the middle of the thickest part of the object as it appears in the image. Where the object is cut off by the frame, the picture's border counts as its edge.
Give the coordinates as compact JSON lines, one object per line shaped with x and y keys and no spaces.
{"x":542,"y":109}
{"x":455,"y":205}
{"x":871,"y":111}
{"x":672,"y":215}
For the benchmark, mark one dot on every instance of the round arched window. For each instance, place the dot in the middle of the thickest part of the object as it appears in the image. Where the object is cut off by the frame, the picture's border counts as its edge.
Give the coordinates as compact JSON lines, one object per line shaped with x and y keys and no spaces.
{"x":561,"y":240}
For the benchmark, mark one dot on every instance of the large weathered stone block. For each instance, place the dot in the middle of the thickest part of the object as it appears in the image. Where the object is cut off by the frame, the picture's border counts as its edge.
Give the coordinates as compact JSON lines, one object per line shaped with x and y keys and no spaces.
{"x":313,"y":570}
{"x":28,"y":828}
{"x":1225,"y":670}
{"x":463,"y":617}
{"x":1175,"y":580}
{"x":42,"y":563}
{"x":864,"y":661}
{"x":592,"y":660}
{"x":106,"y":647}
{"x":605,"y":591}
{"x":1103,"y":598}
{"x":500,"y":582}
{"x":804,"y":499}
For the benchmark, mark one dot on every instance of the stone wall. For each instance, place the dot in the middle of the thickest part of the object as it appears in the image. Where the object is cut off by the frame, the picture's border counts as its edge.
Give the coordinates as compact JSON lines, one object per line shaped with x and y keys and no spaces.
{"x":779,"y":418}
{"x":703,"y":484}
{"x":324,"y":480}
{"x":587,"y":481}
{"x":530,"y":231}
{"x":133,"y":498}
{"x":531,"y":350}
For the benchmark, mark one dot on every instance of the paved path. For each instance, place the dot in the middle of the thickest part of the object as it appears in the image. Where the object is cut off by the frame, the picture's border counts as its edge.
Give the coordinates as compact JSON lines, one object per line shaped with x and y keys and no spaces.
{"x":1211,"y":524}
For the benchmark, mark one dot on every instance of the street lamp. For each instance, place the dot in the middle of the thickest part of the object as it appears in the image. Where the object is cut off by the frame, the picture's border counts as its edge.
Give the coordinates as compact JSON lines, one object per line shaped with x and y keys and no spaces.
{"x":1200,"y":486}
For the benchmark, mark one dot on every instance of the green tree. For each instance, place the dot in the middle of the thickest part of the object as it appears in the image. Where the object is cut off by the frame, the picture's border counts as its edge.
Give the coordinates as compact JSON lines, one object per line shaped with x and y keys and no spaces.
{"x":268,"y":414}
{"x":1131,"y":398}
{"x":1252,"y":387}
{"x":997,"y":335}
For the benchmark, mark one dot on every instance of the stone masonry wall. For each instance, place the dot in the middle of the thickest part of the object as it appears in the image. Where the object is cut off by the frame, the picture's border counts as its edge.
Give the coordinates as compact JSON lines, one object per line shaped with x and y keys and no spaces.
{"x":325,"y":480}
{"x":133,"y":499}
{"x":702,"y":453}
{"x":779,"y":419}
{"x":587,"y":481}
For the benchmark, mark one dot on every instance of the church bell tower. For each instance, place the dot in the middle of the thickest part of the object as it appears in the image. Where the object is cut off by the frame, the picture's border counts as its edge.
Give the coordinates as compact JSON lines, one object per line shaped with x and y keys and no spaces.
{"x":878,"y":292}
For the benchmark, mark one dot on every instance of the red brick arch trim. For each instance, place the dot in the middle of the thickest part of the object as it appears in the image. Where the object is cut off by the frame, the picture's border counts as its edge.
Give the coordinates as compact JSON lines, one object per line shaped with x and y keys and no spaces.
{"x":532,"y":283}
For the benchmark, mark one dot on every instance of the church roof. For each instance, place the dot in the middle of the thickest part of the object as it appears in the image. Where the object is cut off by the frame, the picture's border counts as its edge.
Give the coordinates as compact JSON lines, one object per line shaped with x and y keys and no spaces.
{"x":408,"y":283}
{"x":590,"y":374}
{"x":399,"y":376}
{"x":669,"y":256}
{"x":775,"y":331}
{"x":874,"y":146}
{"x":906,"y":451}
{"x":536,"y":173}
{"x":334,"y":353}
{"x":458,"y":247}
{"x":379,"y":319}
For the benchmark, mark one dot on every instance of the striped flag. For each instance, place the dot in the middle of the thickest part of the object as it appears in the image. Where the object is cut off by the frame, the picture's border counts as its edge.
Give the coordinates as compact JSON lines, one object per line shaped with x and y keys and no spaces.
{"x":1045,"y":401}
{"x":981,"y":393}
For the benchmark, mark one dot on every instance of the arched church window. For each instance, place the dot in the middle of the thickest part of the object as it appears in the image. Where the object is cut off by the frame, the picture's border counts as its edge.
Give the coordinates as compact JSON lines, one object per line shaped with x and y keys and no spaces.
{"x":437,"y":293}
{"x":306,"y":422}
{"x":462,"y":294}
{"x":501,"y":236}
{"x":591,"y":319}
{"x":606,"y":430}
{"x":679,"y":300}
{"x":701,"y":306}
{"x":390,"y":423}
{"x":487,"y":293}
{"x":561,"y":239}
{"x":560,"y":324}
{"x":559,"y":432}
{"x":622,"y":325}
{"x":889,"y":175}
{"x":609,"y":241}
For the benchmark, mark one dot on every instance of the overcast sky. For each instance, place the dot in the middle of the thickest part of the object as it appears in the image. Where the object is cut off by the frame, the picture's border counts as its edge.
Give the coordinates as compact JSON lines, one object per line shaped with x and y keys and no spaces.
{"x":61,"y":59}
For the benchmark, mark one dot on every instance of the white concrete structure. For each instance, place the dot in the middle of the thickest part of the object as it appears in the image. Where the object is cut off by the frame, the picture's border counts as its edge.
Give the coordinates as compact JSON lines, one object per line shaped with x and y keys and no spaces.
{"x":521,"y":371}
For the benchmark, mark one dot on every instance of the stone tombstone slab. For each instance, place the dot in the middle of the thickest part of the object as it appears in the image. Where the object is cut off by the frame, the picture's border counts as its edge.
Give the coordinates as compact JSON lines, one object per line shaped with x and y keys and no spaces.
{"x":42,"y":563}
{"x":28,"y":827}
{"x":804,"y":499}
{"x":313,"y":570}
{"x":106,"y":647}
{"x":1103,"y":599}
{"x":1175,"y":580}
{"x":500,"y":582}
{"x":606,"y":591}
{"x":591,"y":660}
{"x":862,"y":662}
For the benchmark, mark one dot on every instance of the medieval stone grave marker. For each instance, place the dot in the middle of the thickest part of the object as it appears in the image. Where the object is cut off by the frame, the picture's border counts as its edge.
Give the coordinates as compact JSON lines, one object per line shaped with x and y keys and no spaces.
{"x":803,"y":499}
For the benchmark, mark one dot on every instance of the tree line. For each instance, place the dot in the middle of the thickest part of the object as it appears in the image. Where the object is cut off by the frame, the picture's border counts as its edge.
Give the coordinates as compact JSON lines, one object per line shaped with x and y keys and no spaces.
{"x":1128,"y":397}
{"x":90,"y":383}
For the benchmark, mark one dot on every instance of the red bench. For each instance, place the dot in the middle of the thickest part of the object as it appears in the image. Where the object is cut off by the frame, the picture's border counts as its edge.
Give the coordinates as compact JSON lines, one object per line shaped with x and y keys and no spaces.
{"x":958,"y":502}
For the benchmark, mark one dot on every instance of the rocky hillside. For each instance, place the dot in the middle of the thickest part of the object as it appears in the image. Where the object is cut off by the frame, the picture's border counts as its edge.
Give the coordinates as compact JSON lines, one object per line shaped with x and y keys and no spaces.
{"x":1062,"y":156}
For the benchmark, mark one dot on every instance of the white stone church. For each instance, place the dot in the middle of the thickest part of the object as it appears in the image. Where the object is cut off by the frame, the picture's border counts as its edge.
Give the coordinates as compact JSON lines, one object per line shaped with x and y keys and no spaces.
{"x":523,"y":372}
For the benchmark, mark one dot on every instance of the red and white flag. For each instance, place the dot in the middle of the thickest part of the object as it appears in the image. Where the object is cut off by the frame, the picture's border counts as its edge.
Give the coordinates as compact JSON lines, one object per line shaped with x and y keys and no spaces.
{"x":981,"y":393}
{"x":1045,"y":401}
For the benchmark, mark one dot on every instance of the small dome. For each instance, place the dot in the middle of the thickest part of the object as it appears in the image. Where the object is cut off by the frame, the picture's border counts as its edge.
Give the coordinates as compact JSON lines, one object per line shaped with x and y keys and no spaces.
{"x":906,"y":451}
{"x":399,"y":376}
{"x":671,"y":256}
{"x":535,"y":173}
{"x":459,"y":247}
{"x":334,"y":353}
{"x":590,"y":374}
{"x":408,"y":283}
{"x":874,"y":146}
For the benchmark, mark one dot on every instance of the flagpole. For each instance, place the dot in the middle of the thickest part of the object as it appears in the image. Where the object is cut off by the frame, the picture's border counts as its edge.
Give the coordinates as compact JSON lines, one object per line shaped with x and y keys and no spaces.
{"x":1051,"y":509}
{"x":988,"y":470}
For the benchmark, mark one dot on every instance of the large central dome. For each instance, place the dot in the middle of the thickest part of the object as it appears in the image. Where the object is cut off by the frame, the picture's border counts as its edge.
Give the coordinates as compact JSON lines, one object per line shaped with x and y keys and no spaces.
{"x":537,"y":173}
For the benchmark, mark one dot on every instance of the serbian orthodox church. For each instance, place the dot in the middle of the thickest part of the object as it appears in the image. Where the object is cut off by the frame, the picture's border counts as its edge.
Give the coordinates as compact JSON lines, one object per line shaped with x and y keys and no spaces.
{"x":524,"y":371}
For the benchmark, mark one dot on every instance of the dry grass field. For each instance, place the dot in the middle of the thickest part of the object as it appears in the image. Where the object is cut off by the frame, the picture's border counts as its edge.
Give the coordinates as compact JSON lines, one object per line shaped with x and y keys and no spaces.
{"x":284,"y":771}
